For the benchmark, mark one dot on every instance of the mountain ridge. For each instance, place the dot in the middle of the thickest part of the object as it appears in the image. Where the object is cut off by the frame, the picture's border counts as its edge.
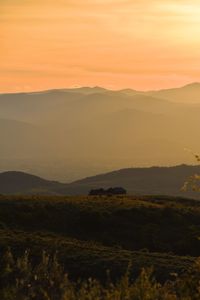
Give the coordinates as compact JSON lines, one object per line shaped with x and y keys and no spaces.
{"x":102,"y":89}
{"x":93,"y":130}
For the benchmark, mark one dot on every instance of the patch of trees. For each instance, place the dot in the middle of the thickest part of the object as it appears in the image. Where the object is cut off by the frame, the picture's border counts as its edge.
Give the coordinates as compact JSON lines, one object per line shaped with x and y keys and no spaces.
{"x":108,"y":192}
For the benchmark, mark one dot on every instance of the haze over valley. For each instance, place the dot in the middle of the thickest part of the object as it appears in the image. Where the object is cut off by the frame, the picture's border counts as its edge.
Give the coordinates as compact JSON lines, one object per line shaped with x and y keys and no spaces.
{"x":69,"y":134}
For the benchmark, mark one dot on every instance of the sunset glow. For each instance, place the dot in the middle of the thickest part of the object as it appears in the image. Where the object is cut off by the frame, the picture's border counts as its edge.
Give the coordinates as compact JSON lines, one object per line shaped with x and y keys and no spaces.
{"x":142,"y":44}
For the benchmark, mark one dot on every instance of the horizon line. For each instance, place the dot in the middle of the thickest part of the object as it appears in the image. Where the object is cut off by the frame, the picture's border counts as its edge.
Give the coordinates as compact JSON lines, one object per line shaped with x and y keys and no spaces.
{"x":99,"y":87}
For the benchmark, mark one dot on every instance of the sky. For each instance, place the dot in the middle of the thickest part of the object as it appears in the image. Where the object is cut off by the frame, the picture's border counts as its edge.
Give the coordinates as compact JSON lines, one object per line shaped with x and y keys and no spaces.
{"x":139,"y":44}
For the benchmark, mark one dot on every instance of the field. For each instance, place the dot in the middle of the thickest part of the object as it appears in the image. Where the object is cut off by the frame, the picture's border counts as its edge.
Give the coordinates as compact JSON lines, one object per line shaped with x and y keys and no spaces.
{"x":92,"y":236}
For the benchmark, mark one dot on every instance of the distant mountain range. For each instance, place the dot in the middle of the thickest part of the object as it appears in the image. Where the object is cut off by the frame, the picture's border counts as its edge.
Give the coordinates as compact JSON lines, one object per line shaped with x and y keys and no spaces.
{"x":72,"y":133}
{"x":137,"y":181}
{"x":187,"y":94}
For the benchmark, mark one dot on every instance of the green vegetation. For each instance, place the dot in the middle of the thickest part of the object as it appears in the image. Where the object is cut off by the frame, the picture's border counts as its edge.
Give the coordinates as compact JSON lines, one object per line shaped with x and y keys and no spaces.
{"x":158,"y":224}
{"x":89,"y":259}
{"x":91,"y":235}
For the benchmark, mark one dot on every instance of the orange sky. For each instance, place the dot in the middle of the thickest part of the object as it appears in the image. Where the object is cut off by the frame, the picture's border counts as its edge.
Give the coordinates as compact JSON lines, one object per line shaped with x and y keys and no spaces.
{"x":142,"y":44}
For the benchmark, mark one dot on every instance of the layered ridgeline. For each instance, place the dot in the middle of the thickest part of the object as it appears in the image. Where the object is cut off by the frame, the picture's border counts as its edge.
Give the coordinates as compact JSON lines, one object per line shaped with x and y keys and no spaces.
{"x":72,"y":133}
{"x":136,"y":181}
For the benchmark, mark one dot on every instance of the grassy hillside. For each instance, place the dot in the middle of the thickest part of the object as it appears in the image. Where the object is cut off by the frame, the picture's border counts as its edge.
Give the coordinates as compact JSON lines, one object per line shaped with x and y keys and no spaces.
{"x":21,"y":278}
{"x":84,"y":259}
{"x":133,"y":223}
{"x":91,"y":235}
{"x":147,"y":224}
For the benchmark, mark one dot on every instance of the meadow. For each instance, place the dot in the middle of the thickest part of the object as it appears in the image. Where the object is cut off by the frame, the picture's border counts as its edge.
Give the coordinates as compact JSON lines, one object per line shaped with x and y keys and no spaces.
{"x":106,"y":245}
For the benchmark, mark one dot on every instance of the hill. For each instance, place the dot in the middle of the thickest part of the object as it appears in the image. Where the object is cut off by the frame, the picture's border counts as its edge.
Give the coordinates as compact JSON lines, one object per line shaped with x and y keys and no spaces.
{"x":137,"y":181}
{"x":118,"y":129}
{"x":106,"y":239}
{"x":22,"y":183}
{"x":140,"y":181}
{"x":94,"y":234}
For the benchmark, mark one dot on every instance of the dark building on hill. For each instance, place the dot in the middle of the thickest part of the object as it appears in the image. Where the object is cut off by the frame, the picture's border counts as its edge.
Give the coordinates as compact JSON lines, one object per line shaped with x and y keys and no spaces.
{"x":108,"y":192}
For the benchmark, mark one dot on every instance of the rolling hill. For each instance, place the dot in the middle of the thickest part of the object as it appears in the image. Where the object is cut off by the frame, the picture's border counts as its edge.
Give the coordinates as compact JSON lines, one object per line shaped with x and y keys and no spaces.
{"x":142,"y":181}
{"x":14,"y":182}
{"x":137,"y":181}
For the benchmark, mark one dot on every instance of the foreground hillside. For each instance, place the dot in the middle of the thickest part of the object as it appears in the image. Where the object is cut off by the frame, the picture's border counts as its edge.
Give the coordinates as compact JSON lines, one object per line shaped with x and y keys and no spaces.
{"x":20,"y":278}
{"x":150,"y":224}
{"x":89,"y":235}
{"x":158,"y":224}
